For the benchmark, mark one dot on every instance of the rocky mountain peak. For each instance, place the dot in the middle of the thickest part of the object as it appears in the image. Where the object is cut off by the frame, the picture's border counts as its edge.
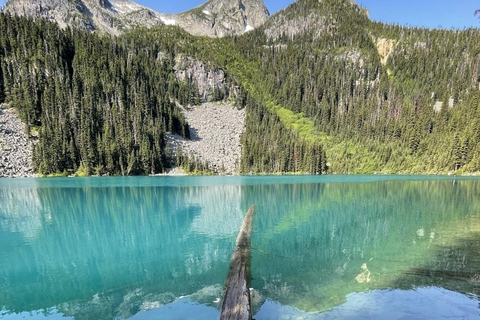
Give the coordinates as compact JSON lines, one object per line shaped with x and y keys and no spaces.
{"x":215,"y":18}
{"x":219,"y":18}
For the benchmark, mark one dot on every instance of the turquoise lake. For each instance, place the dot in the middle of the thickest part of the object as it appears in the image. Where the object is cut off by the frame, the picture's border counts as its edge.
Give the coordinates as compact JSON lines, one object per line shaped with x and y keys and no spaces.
{"x":323,"y":247}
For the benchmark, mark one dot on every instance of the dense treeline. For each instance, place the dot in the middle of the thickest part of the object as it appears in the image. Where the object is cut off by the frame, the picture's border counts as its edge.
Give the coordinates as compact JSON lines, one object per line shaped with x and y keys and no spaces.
{"x":101,"y":105}
{"x":271,"y":147}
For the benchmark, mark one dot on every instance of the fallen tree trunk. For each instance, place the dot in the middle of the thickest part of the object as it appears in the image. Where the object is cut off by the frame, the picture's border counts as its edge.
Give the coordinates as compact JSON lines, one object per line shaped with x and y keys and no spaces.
{"x":236,"y":304}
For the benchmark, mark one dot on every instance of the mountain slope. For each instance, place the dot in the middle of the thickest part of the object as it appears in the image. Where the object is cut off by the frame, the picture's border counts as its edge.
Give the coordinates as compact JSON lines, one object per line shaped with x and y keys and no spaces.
{"x":215,"y":18}
{"x":312,"y":16}
{"x":370,"y":94}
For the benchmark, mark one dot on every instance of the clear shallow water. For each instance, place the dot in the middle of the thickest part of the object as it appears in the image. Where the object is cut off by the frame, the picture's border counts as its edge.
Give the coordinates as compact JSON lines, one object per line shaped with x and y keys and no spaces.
{"x":334,"y":247}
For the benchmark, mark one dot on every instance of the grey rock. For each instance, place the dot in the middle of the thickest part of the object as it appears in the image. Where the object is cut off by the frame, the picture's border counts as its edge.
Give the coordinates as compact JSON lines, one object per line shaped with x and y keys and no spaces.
{"x":88,"y":15}
{"x":207,"y":78}
{"x":65,"y":12}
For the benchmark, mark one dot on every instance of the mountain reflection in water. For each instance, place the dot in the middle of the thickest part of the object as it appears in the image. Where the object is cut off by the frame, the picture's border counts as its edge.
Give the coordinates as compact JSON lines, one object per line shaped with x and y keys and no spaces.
{"x":118,"y":248}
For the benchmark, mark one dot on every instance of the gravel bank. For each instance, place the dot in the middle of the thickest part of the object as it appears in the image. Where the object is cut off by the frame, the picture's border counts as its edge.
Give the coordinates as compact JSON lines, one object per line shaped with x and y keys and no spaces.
{"x":15,"y":148}
{"x":215,"y":130}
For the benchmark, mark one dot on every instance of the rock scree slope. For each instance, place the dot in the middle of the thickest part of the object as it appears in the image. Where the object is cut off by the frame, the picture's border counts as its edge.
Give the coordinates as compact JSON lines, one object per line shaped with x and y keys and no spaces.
{"x":216,"y":130}
{"x":15,"y":147}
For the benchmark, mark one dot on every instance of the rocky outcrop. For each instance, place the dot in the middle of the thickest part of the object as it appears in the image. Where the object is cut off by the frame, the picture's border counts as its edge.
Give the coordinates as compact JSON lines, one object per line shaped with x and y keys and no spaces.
{"x":385,"y":48}
{"x":206,"y":78}
{"x":215,"y":18}
{"x":215,"y":130}
{"x":15,"y":147}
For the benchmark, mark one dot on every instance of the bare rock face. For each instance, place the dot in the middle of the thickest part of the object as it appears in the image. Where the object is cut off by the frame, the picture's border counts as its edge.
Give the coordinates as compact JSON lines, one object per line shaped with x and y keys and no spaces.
{"x":66,"y":13}
{"x":215,"y":18}
{"x":133,"y":15}
{"x":208,"y":79}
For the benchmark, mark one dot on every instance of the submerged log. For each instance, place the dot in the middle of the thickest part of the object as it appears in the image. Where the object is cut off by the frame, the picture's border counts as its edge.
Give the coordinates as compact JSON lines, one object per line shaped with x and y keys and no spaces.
{"x":236,"y":298}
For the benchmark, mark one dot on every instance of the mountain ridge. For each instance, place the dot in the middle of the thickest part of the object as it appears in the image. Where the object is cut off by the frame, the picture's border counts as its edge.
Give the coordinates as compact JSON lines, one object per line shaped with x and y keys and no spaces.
{"x":214,"y":18}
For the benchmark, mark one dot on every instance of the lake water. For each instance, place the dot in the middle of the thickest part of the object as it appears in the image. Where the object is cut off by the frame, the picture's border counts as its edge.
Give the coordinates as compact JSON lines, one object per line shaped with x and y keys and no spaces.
{"x":331,"y":247}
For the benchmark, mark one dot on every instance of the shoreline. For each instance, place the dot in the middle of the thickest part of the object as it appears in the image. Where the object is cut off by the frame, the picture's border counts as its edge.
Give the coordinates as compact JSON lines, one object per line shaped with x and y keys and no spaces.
{"x":177,"y":172}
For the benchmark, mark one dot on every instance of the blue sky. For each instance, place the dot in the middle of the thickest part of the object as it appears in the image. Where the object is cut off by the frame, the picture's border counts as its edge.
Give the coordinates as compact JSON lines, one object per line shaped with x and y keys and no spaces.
{"x":447,"y":14}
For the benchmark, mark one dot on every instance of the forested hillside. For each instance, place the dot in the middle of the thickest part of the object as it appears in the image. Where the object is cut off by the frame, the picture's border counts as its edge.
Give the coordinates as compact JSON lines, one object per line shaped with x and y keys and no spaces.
{"x":325,"y":89}
{"x":100,"y":105}
{"x":378,"y":98}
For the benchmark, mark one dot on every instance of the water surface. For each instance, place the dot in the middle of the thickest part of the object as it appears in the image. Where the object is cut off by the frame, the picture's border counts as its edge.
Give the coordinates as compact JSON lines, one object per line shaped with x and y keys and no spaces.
{"x":333,"y":247}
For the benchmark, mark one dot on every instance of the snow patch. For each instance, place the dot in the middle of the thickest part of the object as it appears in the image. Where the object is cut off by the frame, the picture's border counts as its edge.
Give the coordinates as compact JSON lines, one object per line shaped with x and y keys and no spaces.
{"x":206,"y":12}
{"x":168,"y":22}
{"x":249,"y":28}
